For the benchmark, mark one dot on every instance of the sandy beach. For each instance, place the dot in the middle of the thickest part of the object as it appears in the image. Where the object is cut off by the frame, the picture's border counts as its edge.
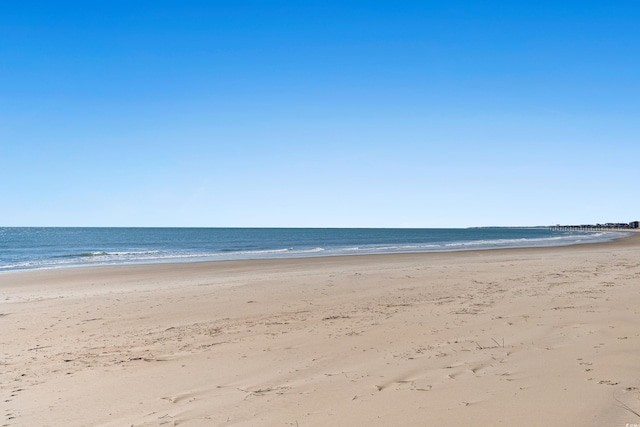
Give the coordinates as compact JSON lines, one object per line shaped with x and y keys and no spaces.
{"x":519,"y":337}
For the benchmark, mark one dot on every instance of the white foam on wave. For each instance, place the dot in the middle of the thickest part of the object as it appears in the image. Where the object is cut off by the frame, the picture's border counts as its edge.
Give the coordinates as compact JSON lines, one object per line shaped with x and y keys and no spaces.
{"x":94,"y":258}
{"x":537,"y":242}
{"x":18,"y":266}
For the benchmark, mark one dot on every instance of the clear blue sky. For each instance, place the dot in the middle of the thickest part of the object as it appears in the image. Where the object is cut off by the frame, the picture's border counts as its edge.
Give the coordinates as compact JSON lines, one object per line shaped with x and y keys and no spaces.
{"x":319,"y":113}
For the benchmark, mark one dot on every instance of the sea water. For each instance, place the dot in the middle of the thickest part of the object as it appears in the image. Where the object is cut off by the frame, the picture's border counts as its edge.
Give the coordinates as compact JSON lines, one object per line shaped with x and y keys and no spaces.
{"x":24,"y":248}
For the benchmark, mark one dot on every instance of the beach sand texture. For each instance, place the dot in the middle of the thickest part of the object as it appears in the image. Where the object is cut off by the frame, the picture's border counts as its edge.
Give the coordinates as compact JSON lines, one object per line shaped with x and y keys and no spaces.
{"x":520,"y":337}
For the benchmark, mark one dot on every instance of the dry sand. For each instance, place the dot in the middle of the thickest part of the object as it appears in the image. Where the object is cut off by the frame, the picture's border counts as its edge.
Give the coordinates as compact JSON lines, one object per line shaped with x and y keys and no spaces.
{"x":527,"y":337}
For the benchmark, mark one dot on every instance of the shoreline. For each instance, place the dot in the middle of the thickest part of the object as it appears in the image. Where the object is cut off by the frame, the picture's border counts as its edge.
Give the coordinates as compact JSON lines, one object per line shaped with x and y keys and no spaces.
{"x":526,"y":336}
{"x":34,"y":278}
{"x":628,"y":234}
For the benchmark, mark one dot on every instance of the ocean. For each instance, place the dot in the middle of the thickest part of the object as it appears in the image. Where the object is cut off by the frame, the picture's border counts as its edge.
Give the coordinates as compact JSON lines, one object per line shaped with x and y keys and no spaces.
{"x":27,"y":248}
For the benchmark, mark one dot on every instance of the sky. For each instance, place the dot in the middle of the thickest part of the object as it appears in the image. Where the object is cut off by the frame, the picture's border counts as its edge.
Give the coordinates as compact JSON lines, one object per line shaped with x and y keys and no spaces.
{"x":319,"y":113}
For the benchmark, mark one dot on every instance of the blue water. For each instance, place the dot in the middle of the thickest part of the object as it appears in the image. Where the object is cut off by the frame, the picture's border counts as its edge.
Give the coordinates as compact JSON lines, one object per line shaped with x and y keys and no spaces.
{"x":25,"y":248}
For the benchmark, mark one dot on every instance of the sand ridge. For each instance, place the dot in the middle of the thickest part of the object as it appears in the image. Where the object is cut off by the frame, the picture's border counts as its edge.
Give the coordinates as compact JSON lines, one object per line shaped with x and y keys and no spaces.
{"x":508,"y":337}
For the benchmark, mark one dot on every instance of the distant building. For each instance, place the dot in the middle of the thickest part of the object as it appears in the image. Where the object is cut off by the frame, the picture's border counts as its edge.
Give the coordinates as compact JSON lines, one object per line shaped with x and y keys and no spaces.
{"x":608,"y":226}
